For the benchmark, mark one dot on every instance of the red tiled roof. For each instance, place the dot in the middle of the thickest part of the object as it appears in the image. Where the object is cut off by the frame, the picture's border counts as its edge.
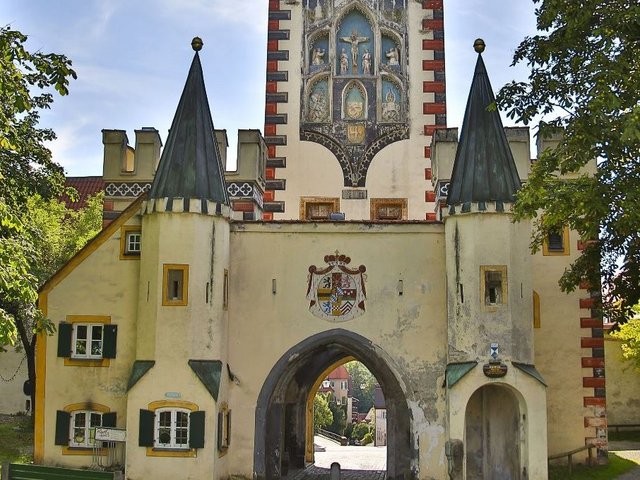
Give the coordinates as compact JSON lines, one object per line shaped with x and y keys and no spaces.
{"x":86,"y":187}
{"x":339,"y":373}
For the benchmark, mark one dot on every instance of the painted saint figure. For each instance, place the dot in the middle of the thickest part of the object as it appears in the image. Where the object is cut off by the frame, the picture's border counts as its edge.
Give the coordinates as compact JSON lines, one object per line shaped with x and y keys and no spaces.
{"x":392,"y":56}
{"x":366,"y":62}
{"x":318,"y":56}
{"x":354,"y":40}
{"x":344,"y":62}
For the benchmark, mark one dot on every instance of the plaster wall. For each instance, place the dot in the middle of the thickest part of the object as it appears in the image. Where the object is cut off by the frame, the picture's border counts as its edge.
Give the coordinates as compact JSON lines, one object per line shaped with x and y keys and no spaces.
{"x":397,"y":171}
{"x":13,"y":374}
{"x":172,"y":382}
{"x":558,"y":351}
{"x":530,"y":395}
{"x":623,"y":386}
{"x":412,"y":326}
{"x":102,"y":284}
{"x":199,"y":241}
{"x":474,"y":326}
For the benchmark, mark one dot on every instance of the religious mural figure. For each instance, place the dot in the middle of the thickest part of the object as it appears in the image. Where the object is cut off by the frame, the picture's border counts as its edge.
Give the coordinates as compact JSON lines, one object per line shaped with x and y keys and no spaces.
{"x":390,"y":107}
{"x":392,"y":56}
{"x":366,"y":62}
{"x":354,"y":40}
{"x":318,"y":56}
{"x":344,"y":62}
{"x":354,"y":102}
{"x":318,"y":106}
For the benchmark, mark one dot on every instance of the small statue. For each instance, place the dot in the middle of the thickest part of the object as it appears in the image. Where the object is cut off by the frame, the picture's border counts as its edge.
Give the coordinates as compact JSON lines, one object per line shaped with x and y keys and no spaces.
{"x":318,"y":14}
{"x":366,"y":62}
{"x":318,"y":56}
{"x":344,"y":62}
{"x":393,"y":55}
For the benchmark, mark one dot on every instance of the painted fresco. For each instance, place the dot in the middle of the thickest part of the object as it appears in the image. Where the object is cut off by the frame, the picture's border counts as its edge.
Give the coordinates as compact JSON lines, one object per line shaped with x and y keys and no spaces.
{"x":357,"y":47}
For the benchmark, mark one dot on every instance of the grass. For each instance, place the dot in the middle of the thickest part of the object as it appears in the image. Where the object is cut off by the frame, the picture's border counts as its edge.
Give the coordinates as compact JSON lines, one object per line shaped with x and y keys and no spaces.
{"x":617,"y":466}
{"x":16,"y":439}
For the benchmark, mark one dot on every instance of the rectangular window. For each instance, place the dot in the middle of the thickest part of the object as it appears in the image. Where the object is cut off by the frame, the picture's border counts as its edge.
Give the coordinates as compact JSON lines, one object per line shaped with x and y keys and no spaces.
{"x":224,"y":428}
{"x":83,"y":428}
{"x":87,"y":340}
{"x":388,"y":209}
{"x":318,"y":208}
{"x":172,"y":428}
{"x":493,"y":279}
{"x":556,"y":243}
{"x":175,"y":285}
{"x":225,"y":290}
{"x":130,"y":242}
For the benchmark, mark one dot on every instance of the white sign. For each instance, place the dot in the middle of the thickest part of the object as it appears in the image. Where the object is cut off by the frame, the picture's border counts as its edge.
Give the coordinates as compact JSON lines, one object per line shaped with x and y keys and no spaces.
{"x":106,"y":434}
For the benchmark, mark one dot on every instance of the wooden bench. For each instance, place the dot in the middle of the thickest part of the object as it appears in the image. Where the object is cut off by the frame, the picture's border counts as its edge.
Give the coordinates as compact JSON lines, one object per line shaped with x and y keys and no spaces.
{"x":571,"y":453}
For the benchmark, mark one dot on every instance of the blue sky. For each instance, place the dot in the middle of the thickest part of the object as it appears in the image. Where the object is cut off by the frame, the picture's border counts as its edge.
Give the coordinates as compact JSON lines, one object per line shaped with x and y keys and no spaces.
{"x":132,"y":58}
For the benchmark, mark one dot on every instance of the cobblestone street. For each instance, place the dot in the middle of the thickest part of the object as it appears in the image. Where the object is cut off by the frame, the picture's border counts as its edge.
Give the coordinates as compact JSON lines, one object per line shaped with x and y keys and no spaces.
{"x":356,"y":463}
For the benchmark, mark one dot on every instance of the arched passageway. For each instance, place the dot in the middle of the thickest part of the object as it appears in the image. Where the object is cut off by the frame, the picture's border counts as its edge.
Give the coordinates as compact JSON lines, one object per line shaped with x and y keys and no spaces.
{"x":280,"y":428}
{"x":492,"y":434}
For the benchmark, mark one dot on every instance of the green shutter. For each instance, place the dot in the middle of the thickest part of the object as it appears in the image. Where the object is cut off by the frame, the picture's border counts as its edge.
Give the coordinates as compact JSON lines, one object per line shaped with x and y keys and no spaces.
{"x":196,"y":429}
{"x":62,"y":427}
{"x":220,"y":420}
{"x":109,"y":345}
{"x":145,"y":433}
{"x":109,"y":419}
{"x":64,"y":339}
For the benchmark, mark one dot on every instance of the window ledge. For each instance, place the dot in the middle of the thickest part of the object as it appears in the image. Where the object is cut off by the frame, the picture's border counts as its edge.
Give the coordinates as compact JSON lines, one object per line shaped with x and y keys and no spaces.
{"x":83,"y":451}
{"x":89,"y":362}
{"x":171,"y":452}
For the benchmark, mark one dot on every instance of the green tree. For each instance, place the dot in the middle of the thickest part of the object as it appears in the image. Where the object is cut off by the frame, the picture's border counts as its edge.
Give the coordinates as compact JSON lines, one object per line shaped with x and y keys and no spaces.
{"x":339,"y":413}
{"x":27,"y":170}
{"x":49,"y":235}
{"x":629,"y":335}
{"x":363,"y":385}
{"x":26,"y":167}
{"x":584,"y":81}
{"x":322,"y":415}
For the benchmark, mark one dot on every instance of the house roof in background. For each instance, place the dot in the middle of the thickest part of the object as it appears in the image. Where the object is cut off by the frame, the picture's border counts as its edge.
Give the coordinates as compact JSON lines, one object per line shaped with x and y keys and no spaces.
{"x":86,"y":187}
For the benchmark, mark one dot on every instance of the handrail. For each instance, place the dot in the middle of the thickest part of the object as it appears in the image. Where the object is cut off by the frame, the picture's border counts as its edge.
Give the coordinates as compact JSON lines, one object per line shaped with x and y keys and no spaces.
{"x":571,"y":453}
{"x":342,"y":440}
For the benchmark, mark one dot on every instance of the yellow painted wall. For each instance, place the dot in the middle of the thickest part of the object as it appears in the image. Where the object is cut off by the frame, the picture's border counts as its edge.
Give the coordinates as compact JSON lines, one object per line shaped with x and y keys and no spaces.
{"x":558,"y":352}
{"x":412,"y":327}
{"x":102,"y":284}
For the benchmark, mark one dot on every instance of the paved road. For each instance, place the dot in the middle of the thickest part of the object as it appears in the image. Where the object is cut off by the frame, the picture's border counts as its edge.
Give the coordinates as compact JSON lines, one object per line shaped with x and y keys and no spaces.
{"x":630,"y":451}
{"x":357,"y":463}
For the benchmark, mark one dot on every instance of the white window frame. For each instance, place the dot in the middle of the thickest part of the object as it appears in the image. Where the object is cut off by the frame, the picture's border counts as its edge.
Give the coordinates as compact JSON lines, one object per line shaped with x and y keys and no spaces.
{"x":172,"y":427}
{"x":133,"y":242}
{"x":88,"y":430}
{"x":89,"y":341}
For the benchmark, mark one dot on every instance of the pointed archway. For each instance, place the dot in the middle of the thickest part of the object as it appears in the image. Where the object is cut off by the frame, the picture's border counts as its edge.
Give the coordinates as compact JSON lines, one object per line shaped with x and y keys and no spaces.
{"x":280,"y":427}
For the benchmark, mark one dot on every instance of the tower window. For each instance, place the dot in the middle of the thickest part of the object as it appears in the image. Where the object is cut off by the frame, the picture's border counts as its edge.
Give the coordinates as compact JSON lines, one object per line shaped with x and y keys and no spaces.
{"x":175,"y":285}
{"x":556,"y":242}
{"x":494,"y":285}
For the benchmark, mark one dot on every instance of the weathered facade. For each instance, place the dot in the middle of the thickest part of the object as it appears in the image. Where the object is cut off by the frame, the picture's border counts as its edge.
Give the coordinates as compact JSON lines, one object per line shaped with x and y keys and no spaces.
{"x":237,"y":293}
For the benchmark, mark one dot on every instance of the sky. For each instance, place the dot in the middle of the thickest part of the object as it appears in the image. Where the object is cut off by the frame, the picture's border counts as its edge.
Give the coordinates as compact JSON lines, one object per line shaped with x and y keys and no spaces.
{"x":132,"y":59}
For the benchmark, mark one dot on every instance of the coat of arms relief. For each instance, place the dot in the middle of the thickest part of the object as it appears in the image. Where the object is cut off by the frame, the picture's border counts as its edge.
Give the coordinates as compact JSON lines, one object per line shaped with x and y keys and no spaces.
{"x":336,"y":292}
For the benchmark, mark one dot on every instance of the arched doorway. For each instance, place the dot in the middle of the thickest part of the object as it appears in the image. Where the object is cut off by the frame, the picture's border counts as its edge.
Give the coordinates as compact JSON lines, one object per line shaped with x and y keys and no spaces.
{"x":492,"y":434}
{"x":280,"y":428}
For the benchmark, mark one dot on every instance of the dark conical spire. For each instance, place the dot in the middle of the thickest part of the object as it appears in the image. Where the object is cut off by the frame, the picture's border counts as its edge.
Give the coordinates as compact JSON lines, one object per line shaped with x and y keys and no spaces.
{"x":191,"y":166}
{"x":484,"y":169}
